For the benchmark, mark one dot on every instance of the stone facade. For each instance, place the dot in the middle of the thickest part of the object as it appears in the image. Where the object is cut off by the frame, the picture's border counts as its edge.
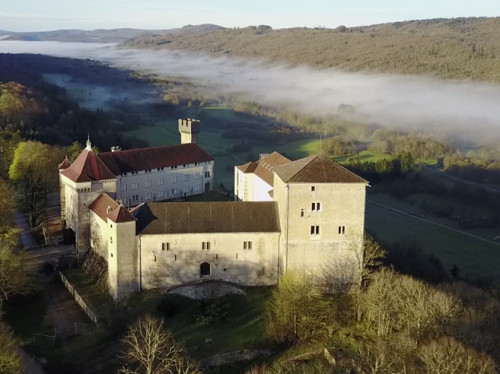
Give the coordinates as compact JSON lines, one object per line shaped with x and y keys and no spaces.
{"x":304,"y":215}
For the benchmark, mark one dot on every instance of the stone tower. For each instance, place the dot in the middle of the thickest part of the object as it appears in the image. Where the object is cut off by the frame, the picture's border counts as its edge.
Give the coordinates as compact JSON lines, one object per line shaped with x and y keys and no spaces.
{"x":122,"y":253}
{"x":189,"y":129}
{"x":321,"y":209}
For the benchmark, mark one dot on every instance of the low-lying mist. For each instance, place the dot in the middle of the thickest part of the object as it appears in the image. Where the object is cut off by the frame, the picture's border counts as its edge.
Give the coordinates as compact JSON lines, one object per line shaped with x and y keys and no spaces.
{"x":466,"y":111}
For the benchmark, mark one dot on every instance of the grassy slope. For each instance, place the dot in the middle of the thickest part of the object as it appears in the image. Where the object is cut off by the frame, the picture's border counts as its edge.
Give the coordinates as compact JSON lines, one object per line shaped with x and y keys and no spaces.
{"x":474,"y":257}
{"x":453,"y":49}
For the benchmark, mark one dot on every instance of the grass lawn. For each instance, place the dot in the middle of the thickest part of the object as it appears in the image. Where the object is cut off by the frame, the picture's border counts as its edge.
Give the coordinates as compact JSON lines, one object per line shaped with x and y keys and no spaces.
{"x":242,"y":328}
{"x":474,"y":257}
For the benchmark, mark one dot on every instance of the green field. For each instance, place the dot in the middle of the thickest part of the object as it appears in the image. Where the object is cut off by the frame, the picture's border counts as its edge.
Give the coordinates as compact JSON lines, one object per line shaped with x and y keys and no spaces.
{"x":474,"y":257}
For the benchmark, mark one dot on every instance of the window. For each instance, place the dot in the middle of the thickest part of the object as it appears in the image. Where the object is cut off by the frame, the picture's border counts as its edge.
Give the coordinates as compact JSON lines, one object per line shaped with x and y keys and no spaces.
{"x":315,"y":207}
{"x":302,"y":212}
{"x":154,"y":258}
{"x":175,"y":257}
{"x":247,"y":245}
{"x":186,"y":177}
{"x":174,"y":191}
{"x":197,"y":188}
{"x":161,"y":182}
{"x":174,"y":179}
{"x":207,"y":174}
{"x":341,"y":230}
{"x":124,"y":187}
{"x":160,"y":194}
{"x":135,"y":197}
{"x":165,"y":246}
{"x":111,"y":239}
{"x":148,"y":196}
{"x":186,"y":189}
{"x":216,"y":256}
{"x":313,"y":188}
{"x":135,"y":185}
{"x":315,"y":230}
{"x":197,"y":176}
{"x":147,"y":184}
{"x":205,"y":245}
{"x":159,"y":169}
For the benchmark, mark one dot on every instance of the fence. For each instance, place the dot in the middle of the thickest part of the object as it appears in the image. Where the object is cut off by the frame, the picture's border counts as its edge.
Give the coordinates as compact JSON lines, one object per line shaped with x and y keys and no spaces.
{"x":79,"y":300}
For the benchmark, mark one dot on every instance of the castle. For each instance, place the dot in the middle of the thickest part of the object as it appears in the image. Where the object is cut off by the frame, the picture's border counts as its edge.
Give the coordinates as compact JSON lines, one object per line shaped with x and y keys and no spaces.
{"x":305,"y":215}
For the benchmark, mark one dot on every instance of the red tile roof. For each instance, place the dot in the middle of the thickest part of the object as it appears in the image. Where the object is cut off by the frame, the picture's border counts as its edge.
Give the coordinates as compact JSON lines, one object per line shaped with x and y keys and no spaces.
{"x":103,"y":205}
{"x":151,"y":158}
{"x":120,"y":214}
{"x":106,"y":207}
{"x":65,"y":164}
{"x":87,"y":167}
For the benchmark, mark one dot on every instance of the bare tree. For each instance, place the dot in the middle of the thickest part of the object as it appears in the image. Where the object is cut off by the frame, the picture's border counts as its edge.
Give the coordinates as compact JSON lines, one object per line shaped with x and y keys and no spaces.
{"x":297,"y":310}
{"x":10,"y":360}
{"x":449,"y":356}
{"x":150,"y":349}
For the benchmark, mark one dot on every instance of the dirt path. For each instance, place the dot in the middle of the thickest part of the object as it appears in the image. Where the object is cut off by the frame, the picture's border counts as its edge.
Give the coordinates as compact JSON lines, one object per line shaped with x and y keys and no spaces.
{"x":64,"y":312}
{"x":27,"y":238}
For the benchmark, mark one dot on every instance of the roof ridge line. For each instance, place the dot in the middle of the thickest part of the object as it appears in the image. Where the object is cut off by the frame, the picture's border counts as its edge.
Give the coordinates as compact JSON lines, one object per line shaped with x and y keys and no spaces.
{"x":298,"y":171}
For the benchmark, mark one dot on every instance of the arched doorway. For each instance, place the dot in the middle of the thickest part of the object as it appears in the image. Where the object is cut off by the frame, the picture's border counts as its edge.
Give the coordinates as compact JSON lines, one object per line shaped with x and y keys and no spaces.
{"x":205,"y":269}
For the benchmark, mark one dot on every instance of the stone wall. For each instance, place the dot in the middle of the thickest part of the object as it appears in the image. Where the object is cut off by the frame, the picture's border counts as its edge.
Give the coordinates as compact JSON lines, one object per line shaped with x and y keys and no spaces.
{"x":94,"y":317}
{"x":173,"y":259}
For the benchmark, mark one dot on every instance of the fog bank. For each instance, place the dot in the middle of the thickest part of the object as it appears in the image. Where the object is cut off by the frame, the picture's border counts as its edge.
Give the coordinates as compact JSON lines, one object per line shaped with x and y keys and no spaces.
{"x":389,"y":100}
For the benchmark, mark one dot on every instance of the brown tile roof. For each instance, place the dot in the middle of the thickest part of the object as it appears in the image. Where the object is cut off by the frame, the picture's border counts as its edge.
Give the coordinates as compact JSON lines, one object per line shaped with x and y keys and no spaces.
{"x":316,"y":169}
{"x":87,"y":167}
{"x":201,"y":217}
{"x":264,"y":167}
{"x":151,"y":158}
{"x":120,"y":214}
{"x":249,"y":167}
{"x":106,"y":207}
{"x":100,"y":205}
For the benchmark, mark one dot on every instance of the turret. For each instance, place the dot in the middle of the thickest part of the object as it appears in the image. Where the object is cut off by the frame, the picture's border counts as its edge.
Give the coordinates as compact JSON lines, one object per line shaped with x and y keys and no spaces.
{"x":189,"y":129}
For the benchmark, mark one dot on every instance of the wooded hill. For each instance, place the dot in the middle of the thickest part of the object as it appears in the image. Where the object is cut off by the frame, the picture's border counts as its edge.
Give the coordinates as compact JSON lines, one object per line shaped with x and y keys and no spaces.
{"x":460,"y":48}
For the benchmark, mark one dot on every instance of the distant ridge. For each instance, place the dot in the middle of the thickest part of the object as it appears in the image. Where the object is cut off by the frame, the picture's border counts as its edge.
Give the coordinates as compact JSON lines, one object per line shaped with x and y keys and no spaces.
{"x":105,"y":35}
{"x":457,"y":48}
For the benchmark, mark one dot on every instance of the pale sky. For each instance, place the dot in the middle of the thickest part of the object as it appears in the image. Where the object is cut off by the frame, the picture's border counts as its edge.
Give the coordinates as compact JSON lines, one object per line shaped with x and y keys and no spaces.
{"x":44,"y":15}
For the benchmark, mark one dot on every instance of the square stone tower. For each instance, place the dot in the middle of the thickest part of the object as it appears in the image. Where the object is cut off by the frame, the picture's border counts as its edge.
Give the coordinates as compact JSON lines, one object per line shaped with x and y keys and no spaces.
{"x":189,"y":129}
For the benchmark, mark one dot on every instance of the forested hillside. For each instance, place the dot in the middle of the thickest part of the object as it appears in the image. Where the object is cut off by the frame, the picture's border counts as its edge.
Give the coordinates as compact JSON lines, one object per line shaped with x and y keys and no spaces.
{"x":461,"y":48}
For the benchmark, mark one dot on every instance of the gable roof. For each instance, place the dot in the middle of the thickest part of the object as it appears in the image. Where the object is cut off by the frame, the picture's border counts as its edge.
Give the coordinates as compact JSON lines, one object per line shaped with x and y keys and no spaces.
{"x":107,"y":207}
{"x":87,"y":167}
{"x":316,"y":169}
{"x":120,"y":214}
{"x":100,"y":205}
{"x":151,"y":158}
{"x":207,"y":217}
{"x":264,"y":167}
